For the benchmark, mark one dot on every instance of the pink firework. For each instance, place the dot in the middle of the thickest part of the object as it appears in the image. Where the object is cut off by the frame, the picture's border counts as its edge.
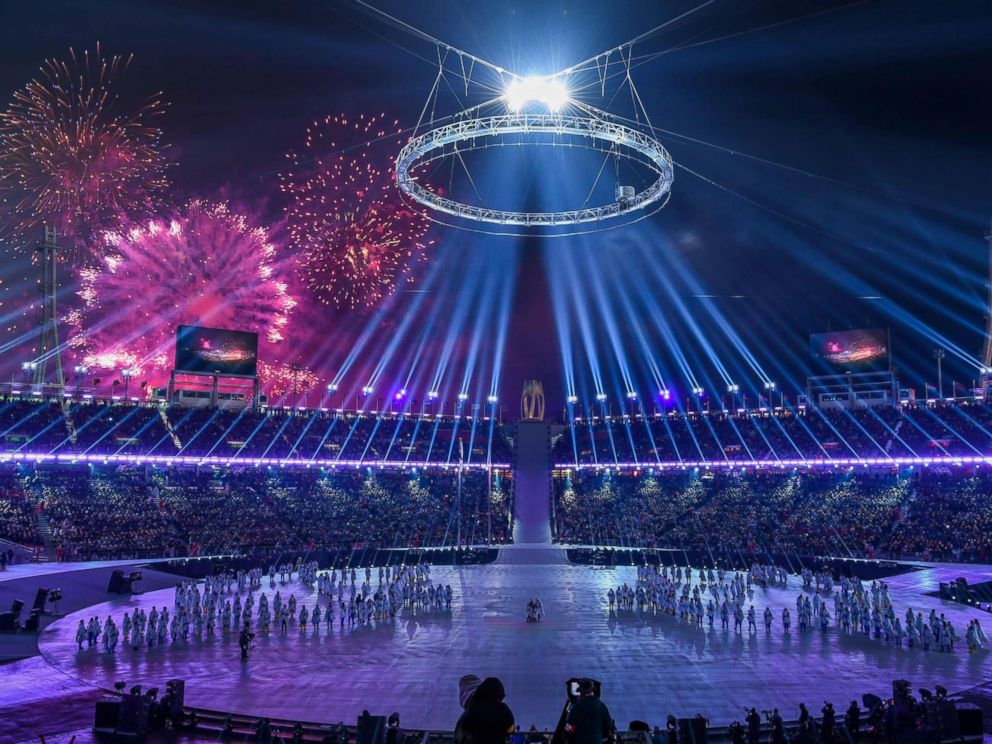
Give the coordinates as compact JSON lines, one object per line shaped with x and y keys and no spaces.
{"x":204,"y":266}
{"x":281,"y":379}
{"x":73,"y":157}
{"x":356,"y":237}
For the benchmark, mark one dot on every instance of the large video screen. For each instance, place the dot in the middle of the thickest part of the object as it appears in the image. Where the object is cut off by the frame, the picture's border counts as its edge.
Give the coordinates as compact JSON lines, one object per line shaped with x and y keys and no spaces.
{"x":860,"y":350}
{"x":216,"y":351}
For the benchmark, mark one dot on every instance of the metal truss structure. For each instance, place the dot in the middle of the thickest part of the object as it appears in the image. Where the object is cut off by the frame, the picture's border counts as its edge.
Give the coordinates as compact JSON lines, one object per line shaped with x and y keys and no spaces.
{"x":596,"y":129}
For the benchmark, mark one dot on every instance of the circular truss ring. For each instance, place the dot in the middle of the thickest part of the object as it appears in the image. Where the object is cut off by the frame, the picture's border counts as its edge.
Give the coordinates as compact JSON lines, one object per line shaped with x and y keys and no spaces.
{"x":626,"y":142}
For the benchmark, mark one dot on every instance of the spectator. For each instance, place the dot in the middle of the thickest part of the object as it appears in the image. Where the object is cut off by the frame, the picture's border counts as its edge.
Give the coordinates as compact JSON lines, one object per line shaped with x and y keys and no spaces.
{"x":487,"y":719}
{"x":588,"y":720}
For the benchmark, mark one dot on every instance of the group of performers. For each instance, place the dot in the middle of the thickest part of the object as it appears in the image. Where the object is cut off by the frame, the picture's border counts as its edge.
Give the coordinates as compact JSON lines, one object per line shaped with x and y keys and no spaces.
{"x":197,"y":613}
{"x":857,"y":607}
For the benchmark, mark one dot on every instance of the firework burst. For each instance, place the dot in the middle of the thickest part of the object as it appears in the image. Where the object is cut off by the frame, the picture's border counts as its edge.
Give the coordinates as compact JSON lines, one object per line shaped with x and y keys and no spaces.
{"x":70,"y":157}
{"x":356,"y":237}
{"x":281,"y":379}
{"x":204,"y":266}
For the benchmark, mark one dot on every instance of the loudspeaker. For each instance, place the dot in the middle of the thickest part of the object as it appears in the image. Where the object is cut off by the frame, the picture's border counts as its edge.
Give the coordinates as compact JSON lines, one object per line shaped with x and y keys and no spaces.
{"x":970,"y":720}
{"x":8,"y":622}
{"x":134,"y":715}
{"x":116,"y":581}
{"x":947,"y":719}
{"x":33,"y":623}
{"x":691,"y":731}
{"x":370,"y":730}
{"x":107,"y":714}
{"x":901,"y":689}
{"x":175,"y":691}
{"x":40,"y":597}
{"x":16,"y":606}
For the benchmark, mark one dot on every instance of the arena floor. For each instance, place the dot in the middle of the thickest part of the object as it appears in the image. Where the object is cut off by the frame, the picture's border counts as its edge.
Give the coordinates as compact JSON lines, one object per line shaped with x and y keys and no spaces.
{"x":649,"y":666}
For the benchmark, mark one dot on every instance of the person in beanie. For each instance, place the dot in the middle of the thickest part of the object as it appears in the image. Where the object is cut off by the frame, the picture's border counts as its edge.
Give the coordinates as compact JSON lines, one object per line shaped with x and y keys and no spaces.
{"x":487,"y":719}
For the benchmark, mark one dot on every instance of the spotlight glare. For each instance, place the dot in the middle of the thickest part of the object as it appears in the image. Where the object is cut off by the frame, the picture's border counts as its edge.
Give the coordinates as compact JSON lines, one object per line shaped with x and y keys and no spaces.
{"x":368,"y":390}
{"x":600,"y":397}
{"x":631,"y":395}
{"x":572,"y":399}
{"x":432,"y":395}
{"x":548,"y":91}
{"x":332,"y":387}
{"x":492,"y":399}
{"x":462,"y":396}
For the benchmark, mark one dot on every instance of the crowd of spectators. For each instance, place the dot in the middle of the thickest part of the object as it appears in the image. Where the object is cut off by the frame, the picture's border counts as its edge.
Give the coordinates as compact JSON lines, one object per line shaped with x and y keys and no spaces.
{"x":122,"y":512}
{"x":90,"y":427}
{"x":920,"y":430}
{"x":934,"y":513}
{"x":18,"y":516}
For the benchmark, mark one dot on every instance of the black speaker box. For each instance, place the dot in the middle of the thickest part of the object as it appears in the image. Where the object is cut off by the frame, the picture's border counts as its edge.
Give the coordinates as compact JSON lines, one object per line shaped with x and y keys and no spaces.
{"x":8,"y":622}
{"x":176,"y":690}
{"x":134,"y":715}
{"x":970,"y":720}
{"x":16,"y":606}
{"x":40,"y":597}
{"x":370,"y":730}
{"x":107,"y":715}
{"x":947,"y":719}
{"x":116,"y":581}
{"x":33,"y":623}
{"x":691,"y":731}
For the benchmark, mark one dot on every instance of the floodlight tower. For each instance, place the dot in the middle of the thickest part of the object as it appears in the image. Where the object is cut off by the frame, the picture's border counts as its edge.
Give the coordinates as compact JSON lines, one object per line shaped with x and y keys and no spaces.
{"x":49,"y":346}
{"x":986,"y":378}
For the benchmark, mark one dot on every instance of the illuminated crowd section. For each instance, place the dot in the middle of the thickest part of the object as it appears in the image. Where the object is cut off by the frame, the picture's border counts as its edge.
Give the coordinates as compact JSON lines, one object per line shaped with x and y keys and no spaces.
{"x":940,"y":512}
{"x":123,"y":511}
{"x":100,"y":432}
{"x":918,"y":434}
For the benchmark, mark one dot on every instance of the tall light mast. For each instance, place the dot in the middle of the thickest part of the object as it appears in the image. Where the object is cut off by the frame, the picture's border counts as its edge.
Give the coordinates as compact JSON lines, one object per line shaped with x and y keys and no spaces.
{"x":986,"y":379}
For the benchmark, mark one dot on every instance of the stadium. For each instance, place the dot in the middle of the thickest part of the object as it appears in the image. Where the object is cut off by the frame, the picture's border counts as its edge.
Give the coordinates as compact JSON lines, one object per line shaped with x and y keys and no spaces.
{"x":493,"y":373}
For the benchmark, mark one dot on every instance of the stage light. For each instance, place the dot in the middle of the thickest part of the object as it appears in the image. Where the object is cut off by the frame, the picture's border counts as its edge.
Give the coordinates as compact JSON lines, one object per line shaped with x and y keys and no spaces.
{"x":492,"y":399}
{"x":432,"y":395}
{"x":332,"y":387}
{"x":631,"y":395}
{"x":572,"y":399}
{"x":549,"y":91}
{"x":697,"y":391}
{"x":666,"y":394}
{"x":769,"y":385}
{"x":399,"y":394}
{"x":733,"y":388}
{"x":601,"y":397}
{"x":368,"y":390}
{"x":26,"y":366}
{"x":80,"y":369}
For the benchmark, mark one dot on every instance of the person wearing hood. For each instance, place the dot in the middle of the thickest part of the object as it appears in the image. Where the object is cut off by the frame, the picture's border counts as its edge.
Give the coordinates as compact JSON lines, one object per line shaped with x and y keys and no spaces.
{"x":487,"y":719}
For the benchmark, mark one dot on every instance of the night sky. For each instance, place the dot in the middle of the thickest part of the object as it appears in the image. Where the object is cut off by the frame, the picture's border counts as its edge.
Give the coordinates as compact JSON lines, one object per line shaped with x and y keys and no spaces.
{"x":833,"y":167}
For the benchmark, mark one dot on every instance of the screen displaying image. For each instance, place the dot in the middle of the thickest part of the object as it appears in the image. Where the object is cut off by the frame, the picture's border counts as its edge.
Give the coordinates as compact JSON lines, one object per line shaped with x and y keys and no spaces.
{"x":860,"y":350}
{"x":216,"y":350}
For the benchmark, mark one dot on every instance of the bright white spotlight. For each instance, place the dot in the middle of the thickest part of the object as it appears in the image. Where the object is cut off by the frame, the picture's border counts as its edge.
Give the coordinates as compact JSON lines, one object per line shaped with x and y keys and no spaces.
{"x":548,"y":91}
{"x":492,"y":399}
{"x":463,"y":396}
{"x":631,"y":395}
{"x":572,"y":399}
{"x":600,"y":397}
{"x":368,"y":390}
{"x":432,"y":395}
